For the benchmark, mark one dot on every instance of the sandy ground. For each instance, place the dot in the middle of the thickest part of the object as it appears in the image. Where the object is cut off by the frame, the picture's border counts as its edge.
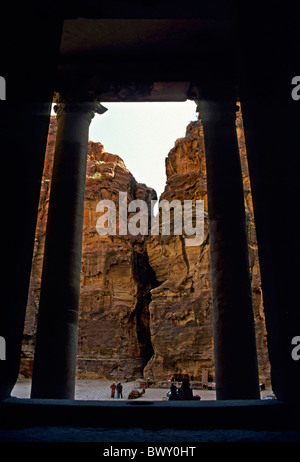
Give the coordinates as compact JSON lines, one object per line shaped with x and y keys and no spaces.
{"x":100,"y":390}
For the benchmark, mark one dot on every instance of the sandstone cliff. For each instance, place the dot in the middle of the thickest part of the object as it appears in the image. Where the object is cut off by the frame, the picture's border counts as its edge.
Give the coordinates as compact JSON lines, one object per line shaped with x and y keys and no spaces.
{"x":181,"y":306}
{"x":145,"y":303}
{"x":180,"y":310}
{"x":114,"y":335}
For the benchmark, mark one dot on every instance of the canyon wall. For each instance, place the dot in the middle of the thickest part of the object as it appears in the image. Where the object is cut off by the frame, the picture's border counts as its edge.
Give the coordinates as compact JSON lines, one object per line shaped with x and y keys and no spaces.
{"x":181,"y":306}
{"x":116,"y":279}
{"x":145,"y":303}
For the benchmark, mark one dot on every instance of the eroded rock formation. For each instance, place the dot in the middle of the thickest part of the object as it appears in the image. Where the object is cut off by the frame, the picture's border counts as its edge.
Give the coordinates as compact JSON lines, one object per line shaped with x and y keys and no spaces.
{"x":145,"y":304}
{"x":114,"y":335}
{"x":180,"y":310}
{"x":181,"y":306}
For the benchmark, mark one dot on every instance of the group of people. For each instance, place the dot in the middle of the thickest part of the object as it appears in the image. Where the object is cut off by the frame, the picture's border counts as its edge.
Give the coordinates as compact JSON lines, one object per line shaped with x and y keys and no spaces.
{"x":118,"y":388}
{"x":183,"y":393}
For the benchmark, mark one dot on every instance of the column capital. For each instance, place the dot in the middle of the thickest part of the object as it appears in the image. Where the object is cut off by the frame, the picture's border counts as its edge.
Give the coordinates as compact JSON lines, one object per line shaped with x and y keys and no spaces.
{"x":215,"y":102}
{"x":82,"y":104}
{"x":210,"y":111}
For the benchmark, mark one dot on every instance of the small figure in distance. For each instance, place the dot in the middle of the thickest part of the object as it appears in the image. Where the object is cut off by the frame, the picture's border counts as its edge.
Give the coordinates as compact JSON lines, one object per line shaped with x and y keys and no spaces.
{"x":185,"y":392}
{"x":119,"y":390}
{"x":113,"y":389}
{"x":173,"y":392}
{"x":134,"y":394}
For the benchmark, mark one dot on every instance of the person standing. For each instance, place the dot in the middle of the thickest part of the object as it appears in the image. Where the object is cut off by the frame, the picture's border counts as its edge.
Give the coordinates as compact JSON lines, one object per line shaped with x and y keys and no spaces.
{"x":173,"y":391}
{"x":119,"y":390}
{"x":113,"y":389}
{"x":185,"y":392}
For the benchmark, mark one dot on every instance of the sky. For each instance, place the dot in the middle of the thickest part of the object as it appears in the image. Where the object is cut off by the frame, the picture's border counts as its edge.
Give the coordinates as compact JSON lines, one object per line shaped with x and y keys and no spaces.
{"x":142,"y":134}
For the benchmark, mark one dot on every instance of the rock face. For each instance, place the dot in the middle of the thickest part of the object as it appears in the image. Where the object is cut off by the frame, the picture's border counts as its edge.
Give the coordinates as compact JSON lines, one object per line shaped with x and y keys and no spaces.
{"x":145,"y":303}
{"x":181,"y":306}
{"x":114,"y":335}
{"x":180,"y":310}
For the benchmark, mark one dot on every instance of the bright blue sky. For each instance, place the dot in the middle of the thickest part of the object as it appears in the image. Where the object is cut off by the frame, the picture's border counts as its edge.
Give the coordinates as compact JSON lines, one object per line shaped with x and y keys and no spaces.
{"x":142,"y":134}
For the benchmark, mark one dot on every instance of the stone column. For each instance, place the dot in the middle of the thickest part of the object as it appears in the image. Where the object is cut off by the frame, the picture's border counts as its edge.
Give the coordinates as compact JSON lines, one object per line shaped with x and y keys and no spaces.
{"x":272,"y":149}
{"x":235,"y":355}
{"x":271,"y":121}
{"x":56,"y":343}
{"x":24,"y":122}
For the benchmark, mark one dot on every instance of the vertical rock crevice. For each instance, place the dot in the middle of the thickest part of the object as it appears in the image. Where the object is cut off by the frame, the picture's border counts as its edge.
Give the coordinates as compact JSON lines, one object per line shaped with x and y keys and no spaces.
{"x":140,"y":317}
{"x":184,"y":254}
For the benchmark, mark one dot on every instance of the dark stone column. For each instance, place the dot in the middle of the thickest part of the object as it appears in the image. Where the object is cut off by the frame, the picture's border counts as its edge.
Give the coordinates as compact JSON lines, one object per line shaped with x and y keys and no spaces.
{"x":29,"y":72}
{"x":233,"y":323}
{"x":56,"y":343}
{"x":272,"y":148}
{"x":269,"y":34}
